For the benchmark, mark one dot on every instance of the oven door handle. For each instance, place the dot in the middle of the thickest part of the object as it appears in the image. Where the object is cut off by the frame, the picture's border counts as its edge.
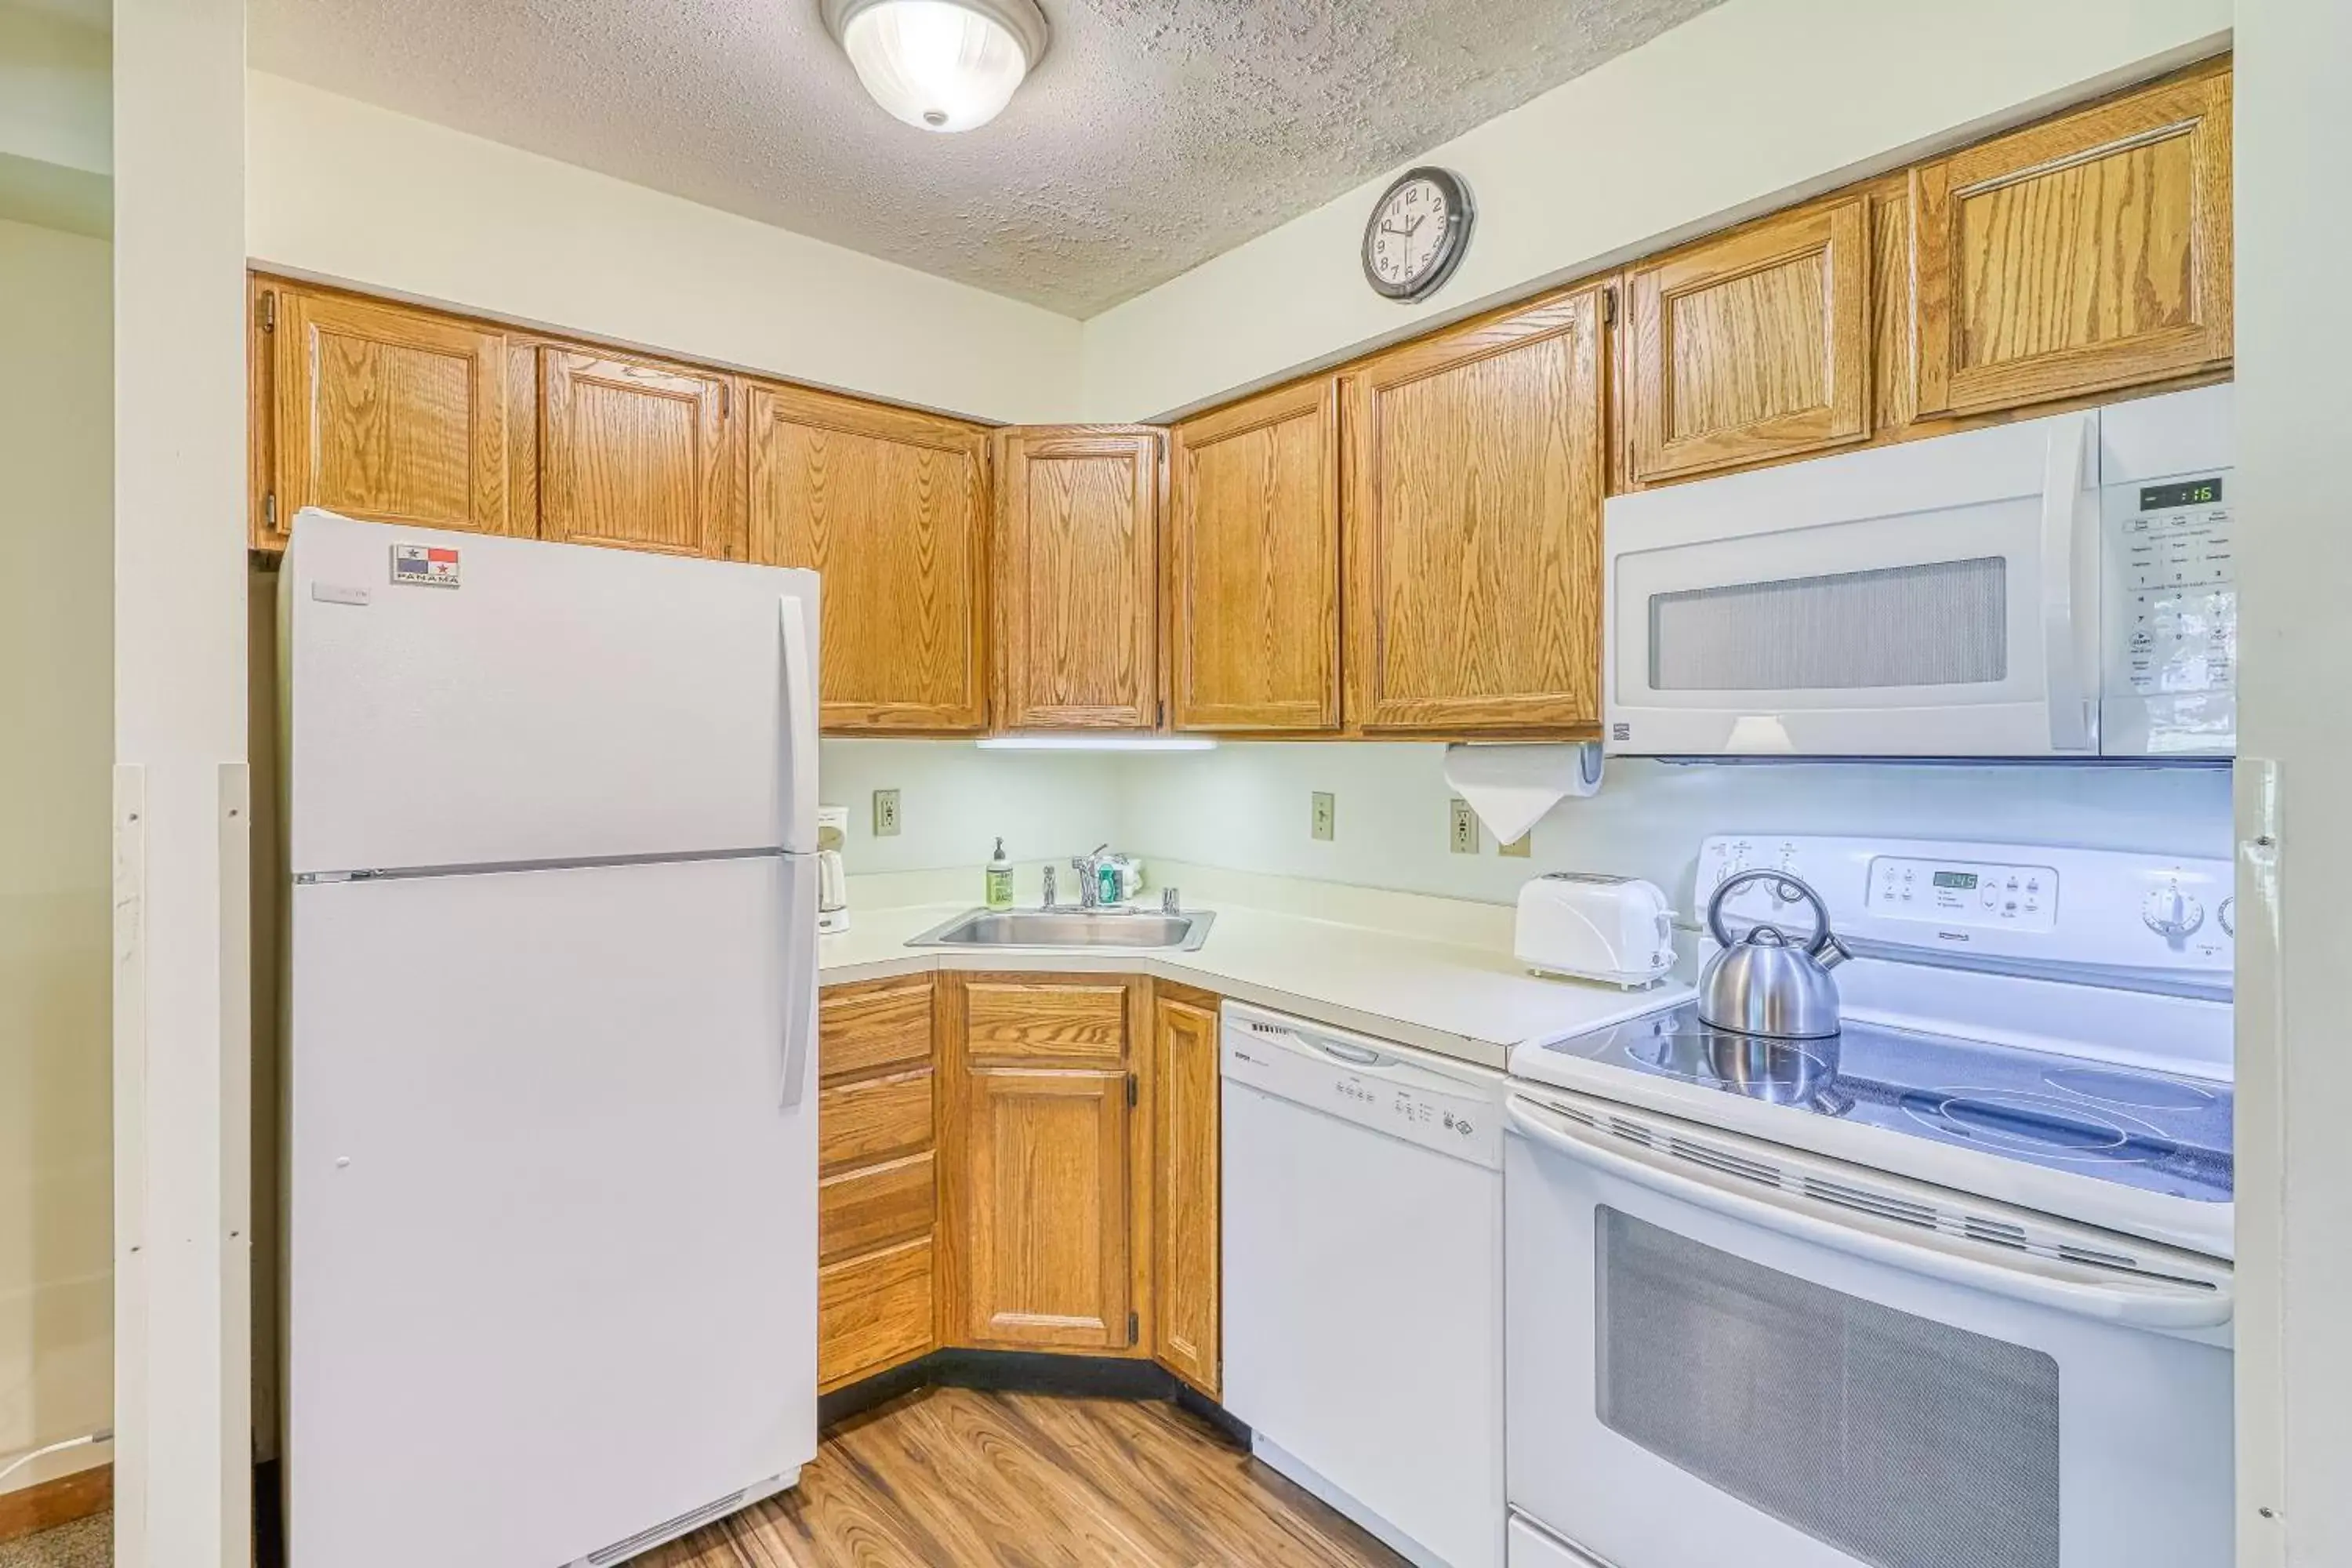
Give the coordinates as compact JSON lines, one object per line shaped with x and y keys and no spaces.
{"x":2153,"y":1304}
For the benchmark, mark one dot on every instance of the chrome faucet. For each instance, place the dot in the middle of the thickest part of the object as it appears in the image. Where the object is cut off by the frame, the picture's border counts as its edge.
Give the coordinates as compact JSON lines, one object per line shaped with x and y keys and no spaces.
{"x":1089,"y":870}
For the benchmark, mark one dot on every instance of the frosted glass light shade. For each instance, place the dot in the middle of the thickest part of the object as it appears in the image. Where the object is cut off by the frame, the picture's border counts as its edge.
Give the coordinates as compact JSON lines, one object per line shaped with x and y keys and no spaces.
{"x":939,"y":65}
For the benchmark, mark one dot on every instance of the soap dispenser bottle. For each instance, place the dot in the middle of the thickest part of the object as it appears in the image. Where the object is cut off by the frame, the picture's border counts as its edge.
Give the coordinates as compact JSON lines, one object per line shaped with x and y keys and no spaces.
{"x":1000,"y":879}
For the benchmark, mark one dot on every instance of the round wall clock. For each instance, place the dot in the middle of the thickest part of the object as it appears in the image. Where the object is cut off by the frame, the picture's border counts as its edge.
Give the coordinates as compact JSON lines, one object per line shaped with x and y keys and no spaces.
{"x":1419,"y":229}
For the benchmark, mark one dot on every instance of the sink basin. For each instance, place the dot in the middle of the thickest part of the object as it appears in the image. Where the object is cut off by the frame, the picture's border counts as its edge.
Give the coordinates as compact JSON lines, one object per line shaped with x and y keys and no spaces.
{"x":1132,"y":930}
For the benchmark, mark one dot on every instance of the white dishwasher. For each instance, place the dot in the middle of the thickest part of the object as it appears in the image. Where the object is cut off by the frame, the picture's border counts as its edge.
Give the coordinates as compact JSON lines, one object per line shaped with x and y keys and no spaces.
{"x":1363,"y":1279}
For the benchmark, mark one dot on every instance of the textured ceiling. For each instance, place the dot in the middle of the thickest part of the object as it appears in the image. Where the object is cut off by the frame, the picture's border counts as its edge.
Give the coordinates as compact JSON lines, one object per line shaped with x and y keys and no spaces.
{"x":1156,"y":134}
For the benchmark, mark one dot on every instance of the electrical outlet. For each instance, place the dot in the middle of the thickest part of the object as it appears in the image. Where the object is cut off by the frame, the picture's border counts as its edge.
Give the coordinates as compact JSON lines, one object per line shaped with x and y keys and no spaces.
{"x":1463,"y":836}
{"x":886,"y":813}
{"x":1518,"y":848}
{"x":1321,"y":820}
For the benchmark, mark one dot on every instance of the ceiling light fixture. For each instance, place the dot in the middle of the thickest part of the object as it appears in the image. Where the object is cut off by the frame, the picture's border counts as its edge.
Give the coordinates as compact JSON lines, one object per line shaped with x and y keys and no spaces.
{"x":939,"y":65}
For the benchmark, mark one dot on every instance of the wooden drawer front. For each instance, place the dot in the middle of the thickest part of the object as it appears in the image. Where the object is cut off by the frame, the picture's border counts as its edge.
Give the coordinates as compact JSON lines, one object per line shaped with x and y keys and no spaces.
{"x":1056,"y":1024}
{"x":874,"y":1205}
{"x":873,"y":1312}
{"x":863,"y":1032}
{"x":2088,"y":253}
{"x":857,"y":1123}
{"x":1753,"y":345}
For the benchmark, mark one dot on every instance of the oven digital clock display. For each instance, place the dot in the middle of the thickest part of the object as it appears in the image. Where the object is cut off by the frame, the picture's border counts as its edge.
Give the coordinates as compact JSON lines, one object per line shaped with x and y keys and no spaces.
{"x":2168,"y":497}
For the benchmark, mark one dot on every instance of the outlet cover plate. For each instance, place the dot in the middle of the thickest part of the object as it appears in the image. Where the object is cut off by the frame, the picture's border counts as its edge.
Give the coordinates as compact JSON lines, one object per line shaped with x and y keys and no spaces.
{"x":1323,"y":815}
{"x":1519,"y":848}
{"x":886,"y":813}
{"x":1461,"y":835}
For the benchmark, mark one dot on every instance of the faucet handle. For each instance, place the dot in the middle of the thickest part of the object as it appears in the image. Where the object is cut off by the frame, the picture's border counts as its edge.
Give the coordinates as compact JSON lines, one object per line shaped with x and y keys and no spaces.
{"x":1047,"y":901}
{"x":1168,"y":902}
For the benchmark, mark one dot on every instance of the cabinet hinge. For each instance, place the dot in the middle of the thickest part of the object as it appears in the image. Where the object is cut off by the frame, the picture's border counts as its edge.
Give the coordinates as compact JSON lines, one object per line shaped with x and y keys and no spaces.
{"x":1134,"y":1328}
{"x":1161,"y":720}
{"x":727,"y":400}
{"x":267,"y":310}
{"x":1131,"y":1092}
{"x":1609,"y":307}
{"x":269,"y":511}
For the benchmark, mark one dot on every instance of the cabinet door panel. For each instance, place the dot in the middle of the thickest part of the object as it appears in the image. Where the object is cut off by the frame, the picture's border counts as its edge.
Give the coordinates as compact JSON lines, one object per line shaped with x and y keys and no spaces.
{"x":1753,"y":345}
{"x":874,"y":1119}
{"x":1475,"y":474}
{"x":1049,"y":1191}
{"x":1254,"y":586}
{"x":871,"y":1029}
{"x":890,"y":507}
{"x":389,"y":413}
{"x":1188,"y":1298}
{"x":874,"y":1205}
{"x":1077,"y":602}
{"x":873,"y":1312}
{"x":2088,"y":253}
{"x":634,"y":454}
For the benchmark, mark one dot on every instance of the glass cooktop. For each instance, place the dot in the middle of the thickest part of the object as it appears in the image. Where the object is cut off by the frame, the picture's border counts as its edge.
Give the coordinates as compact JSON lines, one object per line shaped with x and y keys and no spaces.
{"x":2151,"y":1130}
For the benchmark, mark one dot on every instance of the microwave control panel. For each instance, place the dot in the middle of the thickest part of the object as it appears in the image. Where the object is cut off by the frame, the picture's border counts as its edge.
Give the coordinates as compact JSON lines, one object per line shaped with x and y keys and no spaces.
{"x":2171,"y":615}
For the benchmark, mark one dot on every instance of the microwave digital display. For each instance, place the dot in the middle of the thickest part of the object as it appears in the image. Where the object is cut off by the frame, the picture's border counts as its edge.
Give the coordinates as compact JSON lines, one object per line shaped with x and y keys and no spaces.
{"x":2193,"y":493}
{"x":1965,"y":881}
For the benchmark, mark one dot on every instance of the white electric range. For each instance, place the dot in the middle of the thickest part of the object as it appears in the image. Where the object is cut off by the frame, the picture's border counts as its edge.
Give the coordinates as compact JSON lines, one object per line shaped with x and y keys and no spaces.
{"x":1953,"y":1286}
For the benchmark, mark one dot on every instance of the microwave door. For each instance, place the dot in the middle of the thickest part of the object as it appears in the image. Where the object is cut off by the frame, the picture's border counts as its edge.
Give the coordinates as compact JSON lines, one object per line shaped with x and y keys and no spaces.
{"x":1903,"y":601}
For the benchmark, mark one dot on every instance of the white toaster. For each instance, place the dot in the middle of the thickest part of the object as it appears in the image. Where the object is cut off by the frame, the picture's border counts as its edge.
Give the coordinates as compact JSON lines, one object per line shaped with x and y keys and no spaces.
{"x":1616,"y":930}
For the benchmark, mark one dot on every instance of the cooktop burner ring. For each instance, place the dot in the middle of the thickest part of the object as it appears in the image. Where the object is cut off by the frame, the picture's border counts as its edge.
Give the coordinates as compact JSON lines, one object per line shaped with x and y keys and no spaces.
{"x":2120,"y":1086}
{"x":2012,"y":1121}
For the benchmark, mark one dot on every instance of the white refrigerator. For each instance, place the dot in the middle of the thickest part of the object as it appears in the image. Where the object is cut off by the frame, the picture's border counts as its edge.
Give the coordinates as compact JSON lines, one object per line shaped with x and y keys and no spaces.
{"x":552,"y":1151}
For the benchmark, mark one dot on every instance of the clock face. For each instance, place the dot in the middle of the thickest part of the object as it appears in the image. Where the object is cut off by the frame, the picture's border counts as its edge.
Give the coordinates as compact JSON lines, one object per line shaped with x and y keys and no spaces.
{"x":1417,"y":232}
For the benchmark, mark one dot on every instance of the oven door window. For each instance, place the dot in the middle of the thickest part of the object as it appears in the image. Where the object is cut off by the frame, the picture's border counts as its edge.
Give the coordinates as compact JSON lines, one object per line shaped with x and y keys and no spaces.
{"x":1901,"y":1441}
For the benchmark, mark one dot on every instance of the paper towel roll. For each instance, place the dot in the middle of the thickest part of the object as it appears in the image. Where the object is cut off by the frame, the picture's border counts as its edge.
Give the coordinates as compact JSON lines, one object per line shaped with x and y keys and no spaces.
{"x":1511,"y":786}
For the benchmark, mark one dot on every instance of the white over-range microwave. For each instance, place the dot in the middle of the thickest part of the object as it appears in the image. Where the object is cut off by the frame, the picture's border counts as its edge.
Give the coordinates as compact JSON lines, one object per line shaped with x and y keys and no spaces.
{"x":2056,"y":587}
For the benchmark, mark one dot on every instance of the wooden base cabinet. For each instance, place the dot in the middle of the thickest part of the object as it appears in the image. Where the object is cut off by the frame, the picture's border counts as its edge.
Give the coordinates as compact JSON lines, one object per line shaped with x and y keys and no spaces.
{"x":878,"y":1187}
{"x":1187,"y":1171}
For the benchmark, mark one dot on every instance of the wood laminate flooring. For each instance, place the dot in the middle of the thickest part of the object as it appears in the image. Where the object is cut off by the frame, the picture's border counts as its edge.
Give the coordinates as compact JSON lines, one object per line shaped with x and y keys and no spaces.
{"x":947,"y":1477}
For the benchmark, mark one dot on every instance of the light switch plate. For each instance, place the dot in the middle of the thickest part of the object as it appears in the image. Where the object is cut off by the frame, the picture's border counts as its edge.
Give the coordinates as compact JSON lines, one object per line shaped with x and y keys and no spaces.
{"x":1321,"y":819}
{"x":886,"y":813}
{"x":1462,"y":835}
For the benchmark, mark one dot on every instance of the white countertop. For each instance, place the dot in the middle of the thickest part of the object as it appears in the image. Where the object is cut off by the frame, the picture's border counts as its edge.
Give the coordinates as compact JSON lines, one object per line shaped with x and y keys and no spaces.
{"x":1466,"y":1000}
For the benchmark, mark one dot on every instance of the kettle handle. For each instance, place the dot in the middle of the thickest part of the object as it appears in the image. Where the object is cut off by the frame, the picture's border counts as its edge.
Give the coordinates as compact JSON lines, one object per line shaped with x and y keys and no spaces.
{"x":1790,"y":887}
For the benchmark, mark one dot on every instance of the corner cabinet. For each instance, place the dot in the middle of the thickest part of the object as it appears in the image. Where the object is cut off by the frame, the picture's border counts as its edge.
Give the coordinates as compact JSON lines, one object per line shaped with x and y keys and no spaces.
{"x":891,"y":507}
{"x":636,"y":453}
{"x":384,"y":412}
{"x":1254,"y":564}
{"x":1187,"y":1175}
{"x":1078,"y":578}
{"x":1475,"y":469}
{"x":1048,"y":1207}
{"x":2089,"y":252}
{"x":1752,"y":345}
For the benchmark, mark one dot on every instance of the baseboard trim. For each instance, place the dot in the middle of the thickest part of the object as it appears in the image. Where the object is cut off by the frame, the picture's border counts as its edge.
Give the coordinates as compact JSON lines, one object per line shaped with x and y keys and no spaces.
{"x":59,"y":1500}
{"x":1023,"y":1371}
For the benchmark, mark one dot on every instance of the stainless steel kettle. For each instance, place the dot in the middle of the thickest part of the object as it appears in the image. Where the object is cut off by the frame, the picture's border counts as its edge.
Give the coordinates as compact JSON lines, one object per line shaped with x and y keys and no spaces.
{"x":1765,"y":983}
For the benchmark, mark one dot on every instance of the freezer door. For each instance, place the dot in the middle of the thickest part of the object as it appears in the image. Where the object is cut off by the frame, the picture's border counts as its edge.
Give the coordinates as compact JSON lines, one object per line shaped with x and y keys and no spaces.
{"x":519,"y":702}
{"x":552,"y":1261}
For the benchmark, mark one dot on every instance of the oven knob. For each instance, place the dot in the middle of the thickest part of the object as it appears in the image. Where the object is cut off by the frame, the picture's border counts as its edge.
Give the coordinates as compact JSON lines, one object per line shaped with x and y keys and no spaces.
{"x":2171,"y":913}
{"x":2227,"y":914}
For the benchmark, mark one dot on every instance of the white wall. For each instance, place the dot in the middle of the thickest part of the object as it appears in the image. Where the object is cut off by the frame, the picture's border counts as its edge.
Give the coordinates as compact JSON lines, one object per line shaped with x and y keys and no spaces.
{"x":955,"y":800}
{"x":56,"y":520}
{"x":1245,"y":807}
{"x":1732,"y":112}
{"x":183,"y":1484}
{"x":56,"y":132}
{"x":2295,"y":1073}
{"x":342,"y":190}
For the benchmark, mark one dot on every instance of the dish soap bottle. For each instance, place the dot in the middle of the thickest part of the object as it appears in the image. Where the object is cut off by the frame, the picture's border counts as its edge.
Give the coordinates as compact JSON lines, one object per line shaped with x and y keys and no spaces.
{"x":1000,"y":879}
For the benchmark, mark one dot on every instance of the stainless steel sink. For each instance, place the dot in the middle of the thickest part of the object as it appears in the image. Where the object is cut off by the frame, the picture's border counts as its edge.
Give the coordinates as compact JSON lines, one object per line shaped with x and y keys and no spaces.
{"x":1143,"y":929}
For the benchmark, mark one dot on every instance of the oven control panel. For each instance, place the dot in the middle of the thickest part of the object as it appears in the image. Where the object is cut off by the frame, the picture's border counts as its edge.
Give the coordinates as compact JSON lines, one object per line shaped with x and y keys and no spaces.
{"x":2044,"y":904}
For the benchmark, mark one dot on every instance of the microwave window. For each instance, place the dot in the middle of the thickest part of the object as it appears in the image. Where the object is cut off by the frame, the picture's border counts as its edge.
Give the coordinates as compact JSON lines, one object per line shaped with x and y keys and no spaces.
{"x":1965,"y":881}
{"x":1940,"y":623}
{"x":2170,"y":497}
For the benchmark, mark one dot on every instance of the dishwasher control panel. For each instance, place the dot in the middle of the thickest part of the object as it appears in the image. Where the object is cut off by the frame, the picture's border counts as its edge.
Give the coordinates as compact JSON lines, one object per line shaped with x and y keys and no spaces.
{"x":1451,"y":1106}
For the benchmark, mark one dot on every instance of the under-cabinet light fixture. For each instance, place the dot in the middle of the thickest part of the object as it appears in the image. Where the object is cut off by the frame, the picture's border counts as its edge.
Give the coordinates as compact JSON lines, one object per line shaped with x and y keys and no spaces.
{"x":1097,"y":743}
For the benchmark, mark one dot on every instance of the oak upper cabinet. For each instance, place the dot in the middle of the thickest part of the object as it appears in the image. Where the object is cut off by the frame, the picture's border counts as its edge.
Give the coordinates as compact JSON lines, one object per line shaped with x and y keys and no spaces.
{"x":1186,"y":1169}
{"x":1048,"y":1197}
{"x":378,"y":411}
{"x":1078,"y":578}
{"x":1754,"y":344}
{"x":1253,"y":563}
{"x":891,"y":506}
{"x":2088,"y":253}
{"x":635,"y":453}
{"x":1473,"y":502}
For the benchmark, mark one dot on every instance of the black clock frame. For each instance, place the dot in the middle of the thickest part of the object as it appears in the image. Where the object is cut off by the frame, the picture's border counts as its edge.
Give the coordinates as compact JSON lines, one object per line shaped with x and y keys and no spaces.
{"x":1460,"y":212}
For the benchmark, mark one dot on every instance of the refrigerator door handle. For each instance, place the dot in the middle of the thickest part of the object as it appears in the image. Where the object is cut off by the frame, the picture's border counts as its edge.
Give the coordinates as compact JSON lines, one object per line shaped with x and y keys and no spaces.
{"x":799,"y":976}
{"x":799,"y":836}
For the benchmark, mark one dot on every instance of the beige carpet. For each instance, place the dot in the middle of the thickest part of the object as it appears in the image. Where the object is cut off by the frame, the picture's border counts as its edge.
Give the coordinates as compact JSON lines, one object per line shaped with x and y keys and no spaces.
{"x":84,"y":1543}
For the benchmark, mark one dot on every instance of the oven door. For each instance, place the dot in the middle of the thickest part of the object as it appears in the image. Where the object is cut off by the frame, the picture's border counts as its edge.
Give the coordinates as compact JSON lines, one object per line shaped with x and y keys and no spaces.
{"x":1936,"y":598}
{"x":1721,"y":1352}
